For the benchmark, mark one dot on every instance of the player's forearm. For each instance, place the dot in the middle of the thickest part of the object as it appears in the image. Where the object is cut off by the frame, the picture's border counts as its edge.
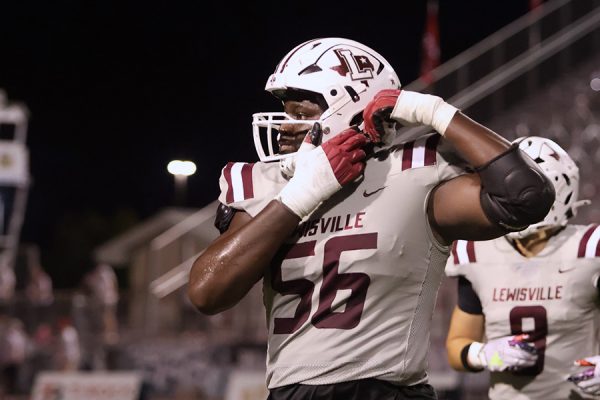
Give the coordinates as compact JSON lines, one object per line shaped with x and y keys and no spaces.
{"x":228,"y":268}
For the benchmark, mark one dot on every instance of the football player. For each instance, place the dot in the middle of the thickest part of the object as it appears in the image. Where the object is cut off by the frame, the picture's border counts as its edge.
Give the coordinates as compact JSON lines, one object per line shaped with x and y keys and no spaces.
{"x":528,"y":302}
{"x":350,"y":234}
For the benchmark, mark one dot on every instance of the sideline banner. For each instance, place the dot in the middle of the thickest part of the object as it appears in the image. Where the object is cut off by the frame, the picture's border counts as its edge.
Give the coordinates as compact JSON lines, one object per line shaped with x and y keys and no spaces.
{"x":121,"y":385}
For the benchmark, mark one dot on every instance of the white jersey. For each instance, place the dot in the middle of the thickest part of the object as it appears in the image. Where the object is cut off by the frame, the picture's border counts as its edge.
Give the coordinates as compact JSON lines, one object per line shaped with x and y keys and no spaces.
{"x":552,"y":296}
{"x":351,"y":294}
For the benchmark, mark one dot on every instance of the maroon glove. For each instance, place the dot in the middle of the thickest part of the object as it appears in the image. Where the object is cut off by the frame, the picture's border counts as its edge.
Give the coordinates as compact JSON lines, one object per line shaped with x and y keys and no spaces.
{"x":378,"y":111}
{"x":345,"y":155}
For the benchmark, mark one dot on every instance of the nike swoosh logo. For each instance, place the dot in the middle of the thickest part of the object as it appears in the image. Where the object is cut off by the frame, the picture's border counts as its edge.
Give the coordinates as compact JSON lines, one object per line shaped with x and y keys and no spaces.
{"x":367,"y":194}
{"x":567,"y":269}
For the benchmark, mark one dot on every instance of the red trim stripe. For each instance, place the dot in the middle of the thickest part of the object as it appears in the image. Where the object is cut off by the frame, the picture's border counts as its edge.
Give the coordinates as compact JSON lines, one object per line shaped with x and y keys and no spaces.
{"x":455,"y":253}
{"x":247,"y":181}
{"x":227,"y":176}
{"x":584,"y":241}
{"x":471,"y":251}
{"x":407,"y":155}
{"x":430,"y":149}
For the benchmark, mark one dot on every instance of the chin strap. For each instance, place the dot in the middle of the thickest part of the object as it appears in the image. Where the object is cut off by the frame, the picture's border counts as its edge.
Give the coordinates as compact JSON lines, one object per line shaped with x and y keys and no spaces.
{"x":580,"y":203}
{"x":526,"y":245}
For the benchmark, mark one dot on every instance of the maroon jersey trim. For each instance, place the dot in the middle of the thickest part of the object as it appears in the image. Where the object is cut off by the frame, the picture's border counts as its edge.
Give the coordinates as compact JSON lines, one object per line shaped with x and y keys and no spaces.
{"x":428,"y":158}
{"x":467,"y":246}
{"x":584,"y":242}
{"x":247,"y":181}
{"x":235,"y":191}
{"x":227,"y":176}
{"x":431,"y":149}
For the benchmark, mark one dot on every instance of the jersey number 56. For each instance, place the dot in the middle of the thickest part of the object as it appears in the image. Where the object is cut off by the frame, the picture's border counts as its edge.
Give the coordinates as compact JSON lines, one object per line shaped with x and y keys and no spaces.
{"x":333,"y":281}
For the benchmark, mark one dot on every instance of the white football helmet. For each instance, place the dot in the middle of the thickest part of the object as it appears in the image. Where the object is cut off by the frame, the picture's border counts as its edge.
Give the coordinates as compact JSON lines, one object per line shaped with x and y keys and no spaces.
{"x":564,"y":174}
{"x":342,"y":74}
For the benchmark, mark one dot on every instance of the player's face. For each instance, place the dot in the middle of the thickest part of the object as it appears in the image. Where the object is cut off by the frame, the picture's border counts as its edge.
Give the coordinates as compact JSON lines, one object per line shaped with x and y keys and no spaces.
{"x":291,"y":135}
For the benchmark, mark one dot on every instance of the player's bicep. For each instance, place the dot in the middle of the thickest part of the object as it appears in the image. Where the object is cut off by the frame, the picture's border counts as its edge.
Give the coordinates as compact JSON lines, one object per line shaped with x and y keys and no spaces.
{"x":455,"y":211}
{"x":466,"y":326}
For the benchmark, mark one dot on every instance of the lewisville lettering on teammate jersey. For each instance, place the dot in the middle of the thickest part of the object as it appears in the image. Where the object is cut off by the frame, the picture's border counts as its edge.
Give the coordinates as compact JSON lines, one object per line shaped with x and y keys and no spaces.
{"x":351,"y":293}
{"x":552,"y":296}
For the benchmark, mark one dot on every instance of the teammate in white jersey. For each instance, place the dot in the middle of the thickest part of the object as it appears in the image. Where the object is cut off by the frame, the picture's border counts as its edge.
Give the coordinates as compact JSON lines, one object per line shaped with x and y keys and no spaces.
{"x":349,"y":234}
{"x":528,"y":302}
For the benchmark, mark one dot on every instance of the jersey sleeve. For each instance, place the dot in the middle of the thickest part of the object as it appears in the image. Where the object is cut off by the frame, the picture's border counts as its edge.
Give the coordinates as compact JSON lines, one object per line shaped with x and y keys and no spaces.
{"x":249,"y":187}
{"x":468,"y":301}
{"x":458,"y":266}
{"x":588,"y":247}
{"x":237,"y":184}
{"x":463,"y":253}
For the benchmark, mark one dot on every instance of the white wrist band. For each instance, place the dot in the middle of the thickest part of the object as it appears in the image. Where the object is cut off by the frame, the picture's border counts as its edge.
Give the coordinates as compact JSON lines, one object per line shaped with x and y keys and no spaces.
{"x":313,"y":182}
{"x":419,"y":108}
{"x":473,"y":355}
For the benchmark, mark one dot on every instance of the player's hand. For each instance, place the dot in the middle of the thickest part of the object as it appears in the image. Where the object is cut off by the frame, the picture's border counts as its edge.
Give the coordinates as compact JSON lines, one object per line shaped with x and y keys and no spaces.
{"x":345,"y":155}
{"x":508,"y":353}
{"x":377,"y":116}
{"x":311,"y":140}
{"x":588,"y":380}
{"x":322,"y":171}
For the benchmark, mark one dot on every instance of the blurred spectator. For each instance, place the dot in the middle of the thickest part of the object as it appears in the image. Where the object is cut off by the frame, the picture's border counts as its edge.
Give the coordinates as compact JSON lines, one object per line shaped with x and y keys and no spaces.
{"x":104,"y":290}
{"x":95,"y":312}
{"x":14,"y":349}
{"x":7,"y":283}
{"x":38,"y":291}
{"x":39,"y":287}
{"x":67,"y":355}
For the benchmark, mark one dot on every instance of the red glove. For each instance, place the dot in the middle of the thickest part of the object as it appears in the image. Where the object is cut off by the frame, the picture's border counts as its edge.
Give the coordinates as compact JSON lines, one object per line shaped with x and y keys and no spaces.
{"x":345,"y":155}
{"x":378,"y":111}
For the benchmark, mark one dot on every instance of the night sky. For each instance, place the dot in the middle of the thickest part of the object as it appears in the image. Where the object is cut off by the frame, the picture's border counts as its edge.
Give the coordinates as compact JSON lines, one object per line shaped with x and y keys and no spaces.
{"x":117,"y":89}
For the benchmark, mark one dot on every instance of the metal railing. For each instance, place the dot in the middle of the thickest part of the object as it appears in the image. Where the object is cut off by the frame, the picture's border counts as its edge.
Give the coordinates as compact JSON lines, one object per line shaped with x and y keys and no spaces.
{"x":510,"y":64}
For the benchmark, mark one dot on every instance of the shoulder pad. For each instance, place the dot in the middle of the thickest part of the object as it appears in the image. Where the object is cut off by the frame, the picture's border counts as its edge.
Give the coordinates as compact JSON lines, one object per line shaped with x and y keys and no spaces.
{"x":589,"y":244}
{"x":463,"y":252}
{"x":421,"y":152}
{"x":236,"y":182}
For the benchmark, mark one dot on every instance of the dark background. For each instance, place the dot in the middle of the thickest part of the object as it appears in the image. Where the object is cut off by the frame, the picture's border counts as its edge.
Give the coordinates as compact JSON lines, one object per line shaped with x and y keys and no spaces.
{"x":117,"y":89}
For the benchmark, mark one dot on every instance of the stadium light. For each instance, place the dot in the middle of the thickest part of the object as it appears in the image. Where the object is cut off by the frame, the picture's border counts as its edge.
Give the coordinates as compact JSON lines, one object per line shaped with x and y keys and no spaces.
{"x":178,"y":167}
{"x":181,"y":170}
